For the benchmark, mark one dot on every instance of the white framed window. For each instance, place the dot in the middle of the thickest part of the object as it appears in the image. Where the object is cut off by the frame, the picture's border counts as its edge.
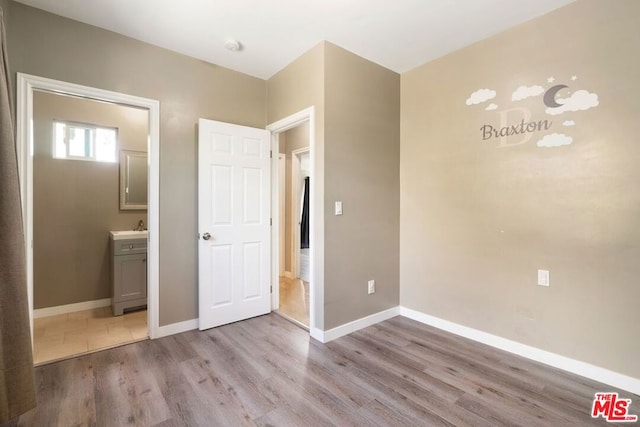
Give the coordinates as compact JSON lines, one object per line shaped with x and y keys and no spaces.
{"x":80,"y":141}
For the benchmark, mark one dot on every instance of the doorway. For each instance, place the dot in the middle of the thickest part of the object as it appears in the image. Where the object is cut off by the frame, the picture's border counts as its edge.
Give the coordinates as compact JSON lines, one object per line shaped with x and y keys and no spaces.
{"x":80,"y":151}
{"x":316,"y":219}
{"x":69,"y":309}
{"x":294,"y":281}
{"x":293,"y":291}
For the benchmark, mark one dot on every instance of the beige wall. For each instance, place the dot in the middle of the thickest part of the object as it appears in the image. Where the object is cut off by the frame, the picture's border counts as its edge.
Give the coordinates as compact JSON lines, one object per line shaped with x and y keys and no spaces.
{"x":298,"y":86}
{"x":4,"y":5}
{"x":76,"y":203}
{"x":478,"y":219}
{"x":362,"y":149}
{"x":357,"y":140}
{"x":51,"y":46}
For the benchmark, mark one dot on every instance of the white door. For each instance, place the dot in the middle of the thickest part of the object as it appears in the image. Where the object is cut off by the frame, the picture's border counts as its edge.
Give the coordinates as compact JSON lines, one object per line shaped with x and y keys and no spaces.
{"x":233,"y":223}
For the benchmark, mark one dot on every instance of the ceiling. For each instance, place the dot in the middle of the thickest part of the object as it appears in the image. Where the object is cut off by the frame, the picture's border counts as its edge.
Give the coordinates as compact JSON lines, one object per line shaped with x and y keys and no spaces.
{"x":397,"y":34}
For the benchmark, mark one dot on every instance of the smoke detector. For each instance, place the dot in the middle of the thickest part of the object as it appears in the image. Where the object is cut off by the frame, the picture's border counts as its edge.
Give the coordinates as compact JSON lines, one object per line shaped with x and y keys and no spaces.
{"x":232,"y":45}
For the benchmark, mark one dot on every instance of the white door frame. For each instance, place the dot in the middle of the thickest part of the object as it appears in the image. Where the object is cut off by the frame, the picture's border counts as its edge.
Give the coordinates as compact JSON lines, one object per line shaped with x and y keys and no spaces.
{"x":282,"y":164}
{"x":316,"y":225}
{"x":27,"y":84}
{"x":296,"y":207}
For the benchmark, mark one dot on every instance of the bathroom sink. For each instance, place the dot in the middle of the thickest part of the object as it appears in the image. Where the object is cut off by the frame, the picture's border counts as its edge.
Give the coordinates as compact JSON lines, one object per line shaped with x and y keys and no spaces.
{"x":129,"y":234}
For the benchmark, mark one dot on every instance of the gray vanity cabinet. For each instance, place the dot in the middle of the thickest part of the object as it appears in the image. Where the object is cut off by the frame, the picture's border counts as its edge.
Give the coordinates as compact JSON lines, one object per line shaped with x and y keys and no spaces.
{"x":128,"y":274}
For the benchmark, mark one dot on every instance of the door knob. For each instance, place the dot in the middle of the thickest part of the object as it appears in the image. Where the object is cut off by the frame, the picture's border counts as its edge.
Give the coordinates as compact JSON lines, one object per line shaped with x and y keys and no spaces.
{"x":206,"y":236}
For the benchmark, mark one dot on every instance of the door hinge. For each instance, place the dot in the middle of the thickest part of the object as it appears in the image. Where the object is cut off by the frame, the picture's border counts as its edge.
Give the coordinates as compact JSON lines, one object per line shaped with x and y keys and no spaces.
{"x":270,"y":221}
{"x":271,"y":154}
{"x":271,"y":289}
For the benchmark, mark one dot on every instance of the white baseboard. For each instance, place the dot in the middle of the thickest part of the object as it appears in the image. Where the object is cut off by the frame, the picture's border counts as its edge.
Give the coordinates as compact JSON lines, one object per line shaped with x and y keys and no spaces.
{"x":71,"y":308}
{"x":587,"y":370}
{"x":347,"y":328}
{"x":317,"y":334}
{"x":176,"y":328}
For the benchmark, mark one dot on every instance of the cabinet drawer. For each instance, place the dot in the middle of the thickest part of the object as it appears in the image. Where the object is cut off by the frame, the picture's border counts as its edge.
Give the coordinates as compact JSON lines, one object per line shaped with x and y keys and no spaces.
{"x":129,"y":246}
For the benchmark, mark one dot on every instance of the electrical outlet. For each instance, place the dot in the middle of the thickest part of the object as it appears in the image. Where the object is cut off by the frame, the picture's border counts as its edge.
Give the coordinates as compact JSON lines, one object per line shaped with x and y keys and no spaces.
{"x":371,"y":287}
{"x":543,"y":277}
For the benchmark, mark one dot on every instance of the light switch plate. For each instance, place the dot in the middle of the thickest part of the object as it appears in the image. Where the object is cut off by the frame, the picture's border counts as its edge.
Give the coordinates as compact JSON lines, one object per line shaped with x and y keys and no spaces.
{"x":543,"y":277}
{"x":338,"y":208}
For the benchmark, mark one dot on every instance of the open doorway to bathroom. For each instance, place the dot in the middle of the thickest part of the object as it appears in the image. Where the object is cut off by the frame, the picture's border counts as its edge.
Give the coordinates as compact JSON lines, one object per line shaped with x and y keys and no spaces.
{"x":294,"y":239}
{"x":90,"y":178}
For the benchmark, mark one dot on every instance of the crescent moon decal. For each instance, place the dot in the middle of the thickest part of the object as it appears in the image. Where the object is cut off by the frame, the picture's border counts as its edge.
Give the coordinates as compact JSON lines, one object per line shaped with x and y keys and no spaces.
{"x":550,"y":96}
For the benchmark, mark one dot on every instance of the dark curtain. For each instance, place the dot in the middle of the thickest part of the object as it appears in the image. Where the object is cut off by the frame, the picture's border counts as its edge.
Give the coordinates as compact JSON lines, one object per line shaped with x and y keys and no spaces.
{"x":17,"y":393}
{"x":304,"y":222}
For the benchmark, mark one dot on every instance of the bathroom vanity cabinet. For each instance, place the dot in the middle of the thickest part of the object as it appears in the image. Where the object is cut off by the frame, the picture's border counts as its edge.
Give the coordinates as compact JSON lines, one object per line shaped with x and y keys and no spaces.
{"x":128,"y":272}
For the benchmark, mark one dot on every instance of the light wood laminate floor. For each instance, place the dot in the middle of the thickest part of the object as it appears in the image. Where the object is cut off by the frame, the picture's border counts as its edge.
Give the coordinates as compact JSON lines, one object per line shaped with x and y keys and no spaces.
{"x":294,"y":300}
{"x":64,"y":335}
{"x":267,"y":371}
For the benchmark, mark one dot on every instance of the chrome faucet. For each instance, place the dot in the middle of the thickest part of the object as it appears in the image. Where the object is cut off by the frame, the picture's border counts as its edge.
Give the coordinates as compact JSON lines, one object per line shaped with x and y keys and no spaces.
{"x":140,"y":226}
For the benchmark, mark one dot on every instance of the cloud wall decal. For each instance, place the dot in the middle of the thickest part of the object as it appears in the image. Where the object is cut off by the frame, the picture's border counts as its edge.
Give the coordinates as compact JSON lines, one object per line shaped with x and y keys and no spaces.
{"x":568,"y":123}
{"x":480,"y":96}
{"x":524,"y":92}
{"x":492,"y":106}
{"x":579,"y":100}
{"x":554,"y":140}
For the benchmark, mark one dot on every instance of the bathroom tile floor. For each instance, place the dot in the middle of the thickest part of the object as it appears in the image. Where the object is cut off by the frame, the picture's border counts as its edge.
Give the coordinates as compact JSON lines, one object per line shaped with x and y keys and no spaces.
{"x":66,"y":335}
